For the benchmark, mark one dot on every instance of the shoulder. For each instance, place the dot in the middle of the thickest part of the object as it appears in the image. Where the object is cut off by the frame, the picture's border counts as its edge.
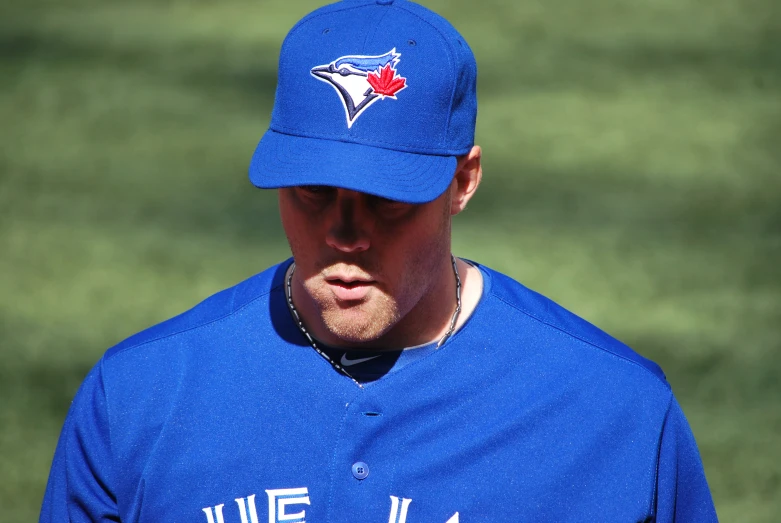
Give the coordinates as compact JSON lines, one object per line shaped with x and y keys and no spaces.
{"x":214,"y":335}
{"x":552,"y":321}
{"x":218,"y":307}
{"x":192,"y":358}
{"x":153,"y":380}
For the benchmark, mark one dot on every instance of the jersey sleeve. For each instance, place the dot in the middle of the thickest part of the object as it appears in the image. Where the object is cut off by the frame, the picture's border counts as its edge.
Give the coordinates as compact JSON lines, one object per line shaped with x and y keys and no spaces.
{"x":682,"y":490}
{"x":80,"y":481}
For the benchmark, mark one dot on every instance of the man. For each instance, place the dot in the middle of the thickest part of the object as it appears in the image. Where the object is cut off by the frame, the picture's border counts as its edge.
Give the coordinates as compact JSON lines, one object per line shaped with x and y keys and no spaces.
{"x":375,"y":377}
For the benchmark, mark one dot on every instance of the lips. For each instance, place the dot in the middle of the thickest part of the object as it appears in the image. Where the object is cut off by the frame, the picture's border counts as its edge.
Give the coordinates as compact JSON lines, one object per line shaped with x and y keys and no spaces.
{"x":349,"y":287}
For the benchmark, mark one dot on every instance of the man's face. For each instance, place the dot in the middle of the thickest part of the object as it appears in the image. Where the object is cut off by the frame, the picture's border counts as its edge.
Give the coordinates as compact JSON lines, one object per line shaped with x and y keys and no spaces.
{"x":368,"y":266}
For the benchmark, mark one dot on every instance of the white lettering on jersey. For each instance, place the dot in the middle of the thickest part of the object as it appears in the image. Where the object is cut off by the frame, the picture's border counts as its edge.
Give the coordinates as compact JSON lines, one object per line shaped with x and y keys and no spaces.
{"x":253,"y":513}
{"x":279,"y":499}
{"x":395,"y":515}
{"x":210,"y":514}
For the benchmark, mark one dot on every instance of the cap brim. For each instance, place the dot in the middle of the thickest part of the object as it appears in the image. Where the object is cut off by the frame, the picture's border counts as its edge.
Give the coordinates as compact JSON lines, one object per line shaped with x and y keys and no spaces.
{"x":282,"y":160}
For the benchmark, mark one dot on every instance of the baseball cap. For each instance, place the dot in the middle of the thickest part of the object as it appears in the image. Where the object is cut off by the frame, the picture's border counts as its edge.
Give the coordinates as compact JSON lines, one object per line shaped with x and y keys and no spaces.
{"x":376,"y":96}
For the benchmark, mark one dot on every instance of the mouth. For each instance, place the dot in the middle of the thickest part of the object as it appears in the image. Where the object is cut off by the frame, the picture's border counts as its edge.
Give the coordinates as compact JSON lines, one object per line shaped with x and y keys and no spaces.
{"x":349,"y":288}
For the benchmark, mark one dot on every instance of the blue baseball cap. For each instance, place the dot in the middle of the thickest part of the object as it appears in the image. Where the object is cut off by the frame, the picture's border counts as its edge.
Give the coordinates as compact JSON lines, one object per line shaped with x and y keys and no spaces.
{"x":376,"y":96}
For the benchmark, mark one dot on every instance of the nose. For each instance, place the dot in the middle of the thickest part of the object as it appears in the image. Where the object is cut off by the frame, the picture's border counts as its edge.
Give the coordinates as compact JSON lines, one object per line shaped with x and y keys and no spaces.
{"x":349,"y":230}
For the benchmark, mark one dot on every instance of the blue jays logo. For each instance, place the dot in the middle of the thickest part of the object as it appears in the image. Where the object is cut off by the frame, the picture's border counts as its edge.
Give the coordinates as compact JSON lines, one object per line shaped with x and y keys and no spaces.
{"x":362,"y":80}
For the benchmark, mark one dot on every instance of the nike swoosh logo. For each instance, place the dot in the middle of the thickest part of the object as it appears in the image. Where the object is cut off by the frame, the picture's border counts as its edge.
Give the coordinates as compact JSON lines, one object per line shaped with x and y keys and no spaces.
{"x":348,"y":363}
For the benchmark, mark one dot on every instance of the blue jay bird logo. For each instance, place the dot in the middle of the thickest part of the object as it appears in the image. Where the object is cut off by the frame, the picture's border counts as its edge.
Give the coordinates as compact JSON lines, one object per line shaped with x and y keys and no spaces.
{"x":362,"y":80}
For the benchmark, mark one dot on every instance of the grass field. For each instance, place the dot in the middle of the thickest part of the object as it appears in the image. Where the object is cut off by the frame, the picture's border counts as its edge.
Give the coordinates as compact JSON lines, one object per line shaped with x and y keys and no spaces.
{"x":632,"y":173}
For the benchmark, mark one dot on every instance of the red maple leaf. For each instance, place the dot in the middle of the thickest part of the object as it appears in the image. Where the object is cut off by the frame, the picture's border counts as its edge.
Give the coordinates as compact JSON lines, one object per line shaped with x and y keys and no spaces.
{"x":387,"y":83}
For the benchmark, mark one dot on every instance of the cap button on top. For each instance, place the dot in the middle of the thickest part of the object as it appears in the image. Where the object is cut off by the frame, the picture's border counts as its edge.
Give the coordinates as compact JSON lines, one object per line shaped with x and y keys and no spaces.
{"x":384,"y":2}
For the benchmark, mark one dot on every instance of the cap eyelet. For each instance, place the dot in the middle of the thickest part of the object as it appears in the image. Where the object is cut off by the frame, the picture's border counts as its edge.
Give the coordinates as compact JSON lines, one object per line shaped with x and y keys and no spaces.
{"x":412,"y":43}
{"x":326,"y":30}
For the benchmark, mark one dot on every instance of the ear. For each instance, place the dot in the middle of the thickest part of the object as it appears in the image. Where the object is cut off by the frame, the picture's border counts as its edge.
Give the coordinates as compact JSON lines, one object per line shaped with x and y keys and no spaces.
{"x":469,"y":172}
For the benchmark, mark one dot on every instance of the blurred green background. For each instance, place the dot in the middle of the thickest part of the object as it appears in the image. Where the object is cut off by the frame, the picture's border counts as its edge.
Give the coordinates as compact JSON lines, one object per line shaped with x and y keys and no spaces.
{"x":632,"y":173}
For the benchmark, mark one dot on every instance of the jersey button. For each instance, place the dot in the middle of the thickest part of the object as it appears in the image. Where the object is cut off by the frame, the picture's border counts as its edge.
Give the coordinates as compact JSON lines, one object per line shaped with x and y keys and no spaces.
{"x":360,"y":470}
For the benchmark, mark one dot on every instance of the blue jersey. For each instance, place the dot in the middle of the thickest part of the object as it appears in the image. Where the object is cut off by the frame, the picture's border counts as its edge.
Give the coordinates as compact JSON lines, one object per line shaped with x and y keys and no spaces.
{"x":224,"y":414}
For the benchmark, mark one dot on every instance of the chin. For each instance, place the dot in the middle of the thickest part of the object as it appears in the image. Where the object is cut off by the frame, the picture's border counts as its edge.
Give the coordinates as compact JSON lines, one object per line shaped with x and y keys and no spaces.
{"x":358,"y":326}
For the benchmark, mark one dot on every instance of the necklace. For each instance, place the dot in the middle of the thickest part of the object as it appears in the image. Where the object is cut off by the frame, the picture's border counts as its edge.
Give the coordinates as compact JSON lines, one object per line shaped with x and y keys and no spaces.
{"x":311,"y":340}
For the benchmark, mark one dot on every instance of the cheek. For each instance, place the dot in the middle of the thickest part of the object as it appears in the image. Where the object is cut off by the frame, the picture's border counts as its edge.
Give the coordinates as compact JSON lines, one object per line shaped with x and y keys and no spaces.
{"x":299,"y":227}
{"x":412,"y":253}
{"x":415,"y":231}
